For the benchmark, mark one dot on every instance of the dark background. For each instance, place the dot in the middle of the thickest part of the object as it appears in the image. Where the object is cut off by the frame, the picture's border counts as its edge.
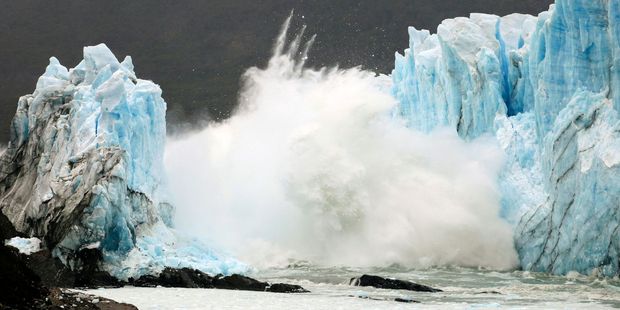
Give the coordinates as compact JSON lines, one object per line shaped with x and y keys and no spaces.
{"x":197,"y":50}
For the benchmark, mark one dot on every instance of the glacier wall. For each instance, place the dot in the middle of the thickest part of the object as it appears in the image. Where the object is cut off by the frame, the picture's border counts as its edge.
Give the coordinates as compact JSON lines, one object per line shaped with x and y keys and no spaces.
{"x":547,"y":88}
{"x":84,"y":169}
{"x":460,"y":77}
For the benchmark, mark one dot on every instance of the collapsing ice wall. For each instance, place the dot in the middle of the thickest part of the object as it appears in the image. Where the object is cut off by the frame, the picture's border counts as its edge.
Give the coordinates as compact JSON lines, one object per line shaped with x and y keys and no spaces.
{"x":547,"y":87}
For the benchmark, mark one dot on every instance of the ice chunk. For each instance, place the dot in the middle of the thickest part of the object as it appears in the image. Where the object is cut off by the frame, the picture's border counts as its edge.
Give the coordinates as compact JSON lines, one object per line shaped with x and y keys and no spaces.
{"x":25,"y":245}
{"x":461,"y":76}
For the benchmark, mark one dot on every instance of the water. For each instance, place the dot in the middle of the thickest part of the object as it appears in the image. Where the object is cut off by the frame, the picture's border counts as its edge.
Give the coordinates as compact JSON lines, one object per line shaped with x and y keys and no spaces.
{"x":463,"y":289}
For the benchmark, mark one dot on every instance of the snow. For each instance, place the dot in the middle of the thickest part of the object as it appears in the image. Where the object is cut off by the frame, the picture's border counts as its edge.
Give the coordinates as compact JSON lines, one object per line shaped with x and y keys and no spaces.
{"x":25,"y":245}
{"x":546,"y":87}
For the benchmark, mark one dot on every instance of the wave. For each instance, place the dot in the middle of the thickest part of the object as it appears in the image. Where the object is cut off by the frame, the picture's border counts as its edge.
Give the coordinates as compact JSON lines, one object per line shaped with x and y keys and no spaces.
{"x":313,"y":167}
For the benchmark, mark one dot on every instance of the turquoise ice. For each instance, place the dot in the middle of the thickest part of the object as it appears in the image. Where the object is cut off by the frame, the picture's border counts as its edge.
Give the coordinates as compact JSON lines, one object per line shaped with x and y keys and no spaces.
{"x":548,"y":88}
{"x":87,"y":147}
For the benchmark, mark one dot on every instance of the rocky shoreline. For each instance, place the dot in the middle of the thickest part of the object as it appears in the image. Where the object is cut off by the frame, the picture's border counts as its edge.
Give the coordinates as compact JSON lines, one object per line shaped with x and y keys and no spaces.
{"x":39,"y":281}
{"x":34,"y":282}
{"x":388,"y":283}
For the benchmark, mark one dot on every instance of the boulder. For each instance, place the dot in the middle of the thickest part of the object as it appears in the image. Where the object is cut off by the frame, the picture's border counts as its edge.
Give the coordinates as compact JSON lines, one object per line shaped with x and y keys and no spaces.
{"x":394,"y":284}
{"x":191,"y":278}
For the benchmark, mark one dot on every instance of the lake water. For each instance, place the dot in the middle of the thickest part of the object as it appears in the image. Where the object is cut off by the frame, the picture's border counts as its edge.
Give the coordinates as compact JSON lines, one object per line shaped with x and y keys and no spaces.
{"x":463,"y":289}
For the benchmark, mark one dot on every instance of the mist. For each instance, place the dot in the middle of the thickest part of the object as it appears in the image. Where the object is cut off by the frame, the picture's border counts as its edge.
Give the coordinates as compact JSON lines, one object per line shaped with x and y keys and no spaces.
{"x":313,"y":167}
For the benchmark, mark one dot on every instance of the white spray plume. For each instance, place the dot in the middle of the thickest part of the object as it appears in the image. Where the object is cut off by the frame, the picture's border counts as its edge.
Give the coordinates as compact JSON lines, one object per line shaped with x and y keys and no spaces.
{"x":313,"y":167}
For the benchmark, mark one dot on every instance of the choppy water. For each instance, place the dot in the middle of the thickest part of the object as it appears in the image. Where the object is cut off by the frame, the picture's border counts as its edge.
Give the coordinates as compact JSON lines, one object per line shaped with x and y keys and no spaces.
{"x":463,"y":289}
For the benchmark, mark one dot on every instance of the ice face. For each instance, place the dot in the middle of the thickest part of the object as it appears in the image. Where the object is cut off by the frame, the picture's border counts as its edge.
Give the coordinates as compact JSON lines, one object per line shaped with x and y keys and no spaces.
{"x":84,"y":168}
{"x":547,"y":88}
{"x":460,"y":76}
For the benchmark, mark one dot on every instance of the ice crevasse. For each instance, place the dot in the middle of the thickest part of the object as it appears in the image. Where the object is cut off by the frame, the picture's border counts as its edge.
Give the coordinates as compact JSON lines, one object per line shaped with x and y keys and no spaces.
{"x":548,"y":88}
{"x":84,"y":169}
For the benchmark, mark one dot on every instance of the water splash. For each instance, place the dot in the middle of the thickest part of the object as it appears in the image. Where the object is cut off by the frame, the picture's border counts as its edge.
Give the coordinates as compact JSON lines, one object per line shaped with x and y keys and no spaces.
{"x":312,"y":167}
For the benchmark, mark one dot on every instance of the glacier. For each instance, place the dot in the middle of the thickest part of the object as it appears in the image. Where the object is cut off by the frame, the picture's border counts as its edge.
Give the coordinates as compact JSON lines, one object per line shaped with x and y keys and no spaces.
{"x":547,"y":88}
{"x":84,"y":166}
{"x":84,"y":170}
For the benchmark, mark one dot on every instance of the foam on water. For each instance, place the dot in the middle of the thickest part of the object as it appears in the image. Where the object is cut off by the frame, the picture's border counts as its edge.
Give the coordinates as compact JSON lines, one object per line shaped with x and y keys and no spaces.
{"x":462,"y":289}
{"x":313,"y":167}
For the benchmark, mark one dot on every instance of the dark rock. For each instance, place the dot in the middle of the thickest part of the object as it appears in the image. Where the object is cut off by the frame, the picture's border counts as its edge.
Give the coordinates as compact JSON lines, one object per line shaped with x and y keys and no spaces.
{"x":367,"y":297}
{"x":22,"y":288}
{"x":54,"y":273}
{"x":98,"y":279}
{"x":19,"y":286}
{"x":169,"y":277}
{"x":88,"y":272}
{"x":385,"y":283}
{"x":239,"y":282}
{"x":7,"y":230}
{"x":191,"y":278}
{"x":398,"y":299}
{"x":25,"y":279}
{"x":286,"y":288}
{"x":89,"y":259}
{"x":51,"y":271}
{"x":59,"y":299}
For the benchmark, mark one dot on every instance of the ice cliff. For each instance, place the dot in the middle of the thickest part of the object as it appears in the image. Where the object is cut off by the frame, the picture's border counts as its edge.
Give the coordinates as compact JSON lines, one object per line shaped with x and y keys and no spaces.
{"x":548,"y":88}
{"x":84,"y":169}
